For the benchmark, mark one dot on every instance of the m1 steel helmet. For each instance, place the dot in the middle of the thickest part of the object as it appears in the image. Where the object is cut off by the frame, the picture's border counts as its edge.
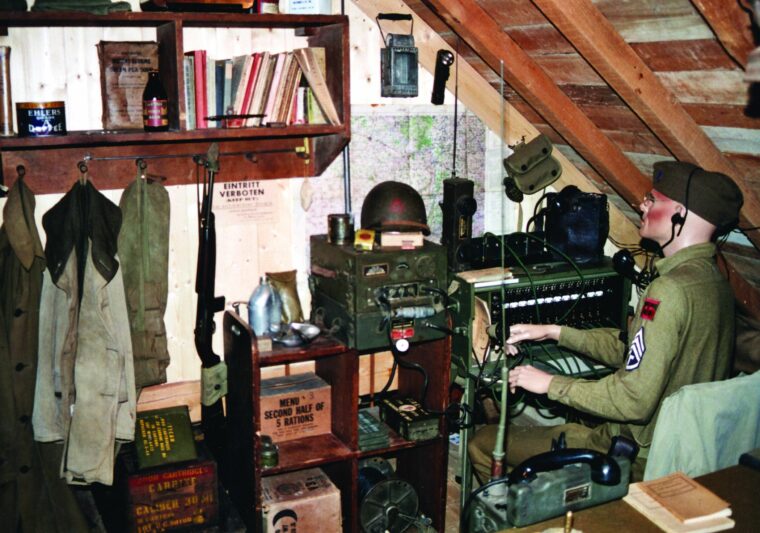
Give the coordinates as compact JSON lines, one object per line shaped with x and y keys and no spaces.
{"x":394,"y":206}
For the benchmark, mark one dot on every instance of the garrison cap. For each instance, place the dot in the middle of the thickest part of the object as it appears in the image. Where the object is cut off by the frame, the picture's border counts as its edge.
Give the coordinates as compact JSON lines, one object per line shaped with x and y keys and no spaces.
{"x":711,"y":195}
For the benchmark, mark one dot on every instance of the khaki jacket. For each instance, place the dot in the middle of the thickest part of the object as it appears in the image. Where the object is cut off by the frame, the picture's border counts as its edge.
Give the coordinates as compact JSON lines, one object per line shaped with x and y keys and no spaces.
{"x":85,"y":394}
{"x":682,"y":333}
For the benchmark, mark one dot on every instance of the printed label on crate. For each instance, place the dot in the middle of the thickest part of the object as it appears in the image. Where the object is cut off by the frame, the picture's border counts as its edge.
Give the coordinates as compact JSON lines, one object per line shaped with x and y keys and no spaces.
{"x":301,"y":501}
{"x":164,"y":436}
{"x":168,"y":499}
{"x":296,"y":406}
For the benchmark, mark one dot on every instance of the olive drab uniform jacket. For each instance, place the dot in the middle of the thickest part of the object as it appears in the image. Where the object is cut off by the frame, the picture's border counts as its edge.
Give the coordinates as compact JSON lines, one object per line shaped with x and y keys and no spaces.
{"x":33,"y":497}
{"x":682,"y":333}
{"x":144,"y":255}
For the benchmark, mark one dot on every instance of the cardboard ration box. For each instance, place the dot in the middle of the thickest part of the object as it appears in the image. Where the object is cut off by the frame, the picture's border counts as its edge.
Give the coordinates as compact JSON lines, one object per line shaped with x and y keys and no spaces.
{"x":124,"y":68}
{"x":305,"y":500}
{"x":295,"y":406}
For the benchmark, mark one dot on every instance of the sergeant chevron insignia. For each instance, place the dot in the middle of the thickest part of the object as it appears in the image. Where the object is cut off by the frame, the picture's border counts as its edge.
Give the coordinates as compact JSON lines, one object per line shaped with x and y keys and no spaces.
{"x":636,"y":350}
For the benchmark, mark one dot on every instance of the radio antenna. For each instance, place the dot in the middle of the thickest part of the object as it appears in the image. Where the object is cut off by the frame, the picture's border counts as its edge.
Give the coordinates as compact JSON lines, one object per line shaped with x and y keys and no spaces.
{"x":456,"y":107}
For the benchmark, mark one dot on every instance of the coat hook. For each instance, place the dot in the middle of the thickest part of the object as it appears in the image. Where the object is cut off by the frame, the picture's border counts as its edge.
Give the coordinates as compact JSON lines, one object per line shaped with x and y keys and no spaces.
{"x":21,"y":171}
{"x":82,"y":172}
{"x":141,"y":167}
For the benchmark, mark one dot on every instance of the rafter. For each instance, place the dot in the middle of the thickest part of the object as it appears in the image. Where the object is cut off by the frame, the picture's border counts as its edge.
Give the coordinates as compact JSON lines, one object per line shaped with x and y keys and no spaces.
{"x":601,"y":45}
{"x":730,"y":24}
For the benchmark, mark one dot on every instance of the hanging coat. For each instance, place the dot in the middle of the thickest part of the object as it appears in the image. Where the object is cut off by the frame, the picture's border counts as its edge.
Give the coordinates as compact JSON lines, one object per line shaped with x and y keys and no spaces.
{"x":33,"y":497}
{"x":144,"y":256}
{"x":85,"y":394}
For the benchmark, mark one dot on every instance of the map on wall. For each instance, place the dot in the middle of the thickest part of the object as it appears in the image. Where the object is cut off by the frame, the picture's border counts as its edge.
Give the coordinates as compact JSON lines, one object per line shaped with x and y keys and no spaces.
{"x":414,"y":148}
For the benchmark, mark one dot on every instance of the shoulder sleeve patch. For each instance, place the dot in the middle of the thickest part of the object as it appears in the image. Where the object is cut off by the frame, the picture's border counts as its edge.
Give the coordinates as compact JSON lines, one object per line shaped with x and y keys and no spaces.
{"x":649,"y":309}
{"x":636,"y":350}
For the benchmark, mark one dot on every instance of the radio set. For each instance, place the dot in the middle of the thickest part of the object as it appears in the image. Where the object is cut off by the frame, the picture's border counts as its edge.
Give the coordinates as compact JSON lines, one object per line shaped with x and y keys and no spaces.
{"x":465,"y":252}
{"x":457,"y":209}
{"x":370,"y":299}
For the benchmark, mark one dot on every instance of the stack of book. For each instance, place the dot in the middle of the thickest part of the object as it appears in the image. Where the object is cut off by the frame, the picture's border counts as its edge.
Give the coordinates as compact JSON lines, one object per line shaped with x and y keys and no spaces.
{"x":373,"y":434}
{"x":258,"y":89}
{"x":676,"y":503}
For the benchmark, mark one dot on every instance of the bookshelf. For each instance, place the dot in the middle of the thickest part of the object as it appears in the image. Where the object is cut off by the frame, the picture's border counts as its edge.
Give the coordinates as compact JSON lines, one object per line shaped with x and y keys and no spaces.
{"x":420,"y":463}
{"x":250,"y":152}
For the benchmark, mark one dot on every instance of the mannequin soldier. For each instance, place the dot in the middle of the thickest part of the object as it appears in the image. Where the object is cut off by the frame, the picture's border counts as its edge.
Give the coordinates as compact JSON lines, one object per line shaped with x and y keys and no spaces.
{"x":682,"y":332}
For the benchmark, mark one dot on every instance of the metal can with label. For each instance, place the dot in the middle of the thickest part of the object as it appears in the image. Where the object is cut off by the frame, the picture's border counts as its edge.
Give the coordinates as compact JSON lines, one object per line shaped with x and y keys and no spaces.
{"x":41,"y":119}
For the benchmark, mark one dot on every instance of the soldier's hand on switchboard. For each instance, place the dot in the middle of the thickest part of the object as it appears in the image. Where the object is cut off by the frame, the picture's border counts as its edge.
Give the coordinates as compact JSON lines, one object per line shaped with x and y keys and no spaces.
{"x":529,"y":378}
{"x":532,"y":332}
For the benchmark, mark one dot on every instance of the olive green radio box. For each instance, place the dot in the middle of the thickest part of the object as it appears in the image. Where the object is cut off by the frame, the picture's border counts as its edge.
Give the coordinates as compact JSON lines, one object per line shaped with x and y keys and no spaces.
{"x":373,"y":299}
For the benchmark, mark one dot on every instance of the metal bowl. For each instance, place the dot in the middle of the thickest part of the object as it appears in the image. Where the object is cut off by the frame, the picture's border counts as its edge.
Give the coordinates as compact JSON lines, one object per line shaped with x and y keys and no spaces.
{"x":298,"y":334}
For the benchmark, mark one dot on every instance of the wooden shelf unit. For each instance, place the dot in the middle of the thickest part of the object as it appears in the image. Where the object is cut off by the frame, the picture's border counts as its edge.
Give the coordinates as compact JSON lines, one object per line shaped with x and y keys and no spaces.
{"x":253,"y":153}
{"x":422,"y":464}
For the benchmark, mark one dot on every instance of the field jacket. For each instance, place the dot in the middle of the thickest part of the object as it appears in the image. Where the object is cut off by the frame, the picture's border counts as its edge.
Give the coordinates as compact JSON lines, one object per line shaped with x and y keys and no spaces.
{"x":682,"y":333}
{"x":85,"y":392}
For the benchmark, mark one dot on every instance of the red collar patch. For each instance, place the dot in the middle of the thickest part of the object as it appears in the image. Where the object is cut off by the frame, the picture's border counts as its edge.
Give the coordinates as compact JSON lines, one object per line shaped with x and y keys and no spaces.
{"x":649,"y":309}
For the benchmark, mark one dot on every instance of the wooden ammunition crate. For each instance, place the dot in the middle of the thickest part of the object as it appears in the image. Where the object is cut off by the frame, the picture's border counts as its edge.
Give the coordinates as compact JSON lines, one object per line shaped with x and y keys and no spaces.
{"x":180,"y":496}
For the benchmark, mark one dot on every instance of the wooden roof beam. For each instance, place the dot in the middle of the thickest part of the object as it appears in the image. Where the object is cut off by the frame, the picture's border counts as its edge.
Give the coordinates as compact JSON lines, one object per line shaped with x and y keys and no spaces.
{"x":484,"y":101}
{"x":731,"y":25}
{"x":597,"y":40}
{"x":481,"y":32}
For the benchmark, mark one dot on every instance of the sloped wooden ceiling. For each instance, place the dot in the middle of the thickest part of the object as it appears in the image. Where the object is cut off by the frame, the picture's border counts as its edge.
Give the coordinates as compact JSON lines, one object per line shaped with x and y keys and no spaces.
{"x":620,"y":85}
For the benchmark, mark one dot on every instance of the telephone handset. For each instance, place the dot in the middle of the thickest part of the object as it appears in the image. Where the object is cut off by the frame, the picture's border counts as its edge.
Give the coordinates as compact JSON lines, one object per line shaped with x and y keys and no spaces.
{"x":604,"y":469}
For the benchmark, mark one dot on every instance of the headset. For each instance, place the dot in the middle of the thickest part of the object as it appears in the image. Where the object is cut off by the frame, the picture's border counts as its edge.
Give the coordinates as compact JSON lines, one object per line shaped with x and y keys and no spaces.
{"x":678,"y":219}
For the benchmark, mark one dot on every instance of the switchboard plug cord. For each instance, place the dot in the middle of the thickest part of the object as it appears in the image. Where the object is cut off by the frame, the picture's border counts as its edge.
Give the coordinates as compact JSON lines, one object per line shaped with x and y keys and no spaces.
{"x":458,"y":416}
{"x":382,"y":301}
{"x":398,"y":358}
{"x":569,"y":261}
{"x":440,"y":292}
{"x":447,"y":331}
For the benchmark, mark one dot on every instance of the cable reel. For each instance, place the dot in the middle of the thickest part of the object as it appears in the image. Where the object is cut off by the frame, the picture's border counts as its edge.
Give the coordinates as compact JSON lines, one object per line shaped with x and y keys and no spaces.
{"x":386,"y":502}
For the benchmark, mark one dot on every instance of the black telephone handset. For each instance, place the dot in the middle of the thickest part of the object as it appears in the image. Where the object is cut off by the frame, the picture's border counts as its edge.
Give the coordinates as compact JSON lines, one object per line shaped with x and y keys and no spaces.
{"x":604,"y":469}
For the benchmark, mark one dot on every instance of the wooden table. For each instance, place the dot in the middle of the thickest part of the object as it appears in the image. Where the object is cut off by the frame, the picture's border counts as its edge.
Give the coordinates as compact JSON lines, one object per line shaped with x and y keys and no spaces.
{"x":738,"y":485}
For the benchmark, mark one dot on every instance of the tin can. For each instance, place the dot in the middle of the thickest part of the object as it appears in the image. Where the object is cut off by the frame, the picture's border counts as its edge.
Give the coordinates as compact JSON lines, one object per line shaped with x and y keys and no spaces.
{"x":340,"y":229}
{"x":41,"y":119}
{"x":6,"y":109}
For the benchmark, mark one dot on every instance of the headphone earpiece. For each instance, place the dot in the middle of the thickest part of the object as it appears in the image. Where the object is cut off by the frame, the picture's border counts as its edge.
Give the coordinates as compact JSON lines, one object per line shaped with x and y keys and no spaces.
{"x":677,"y":219}
{"x":625,"y":265}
